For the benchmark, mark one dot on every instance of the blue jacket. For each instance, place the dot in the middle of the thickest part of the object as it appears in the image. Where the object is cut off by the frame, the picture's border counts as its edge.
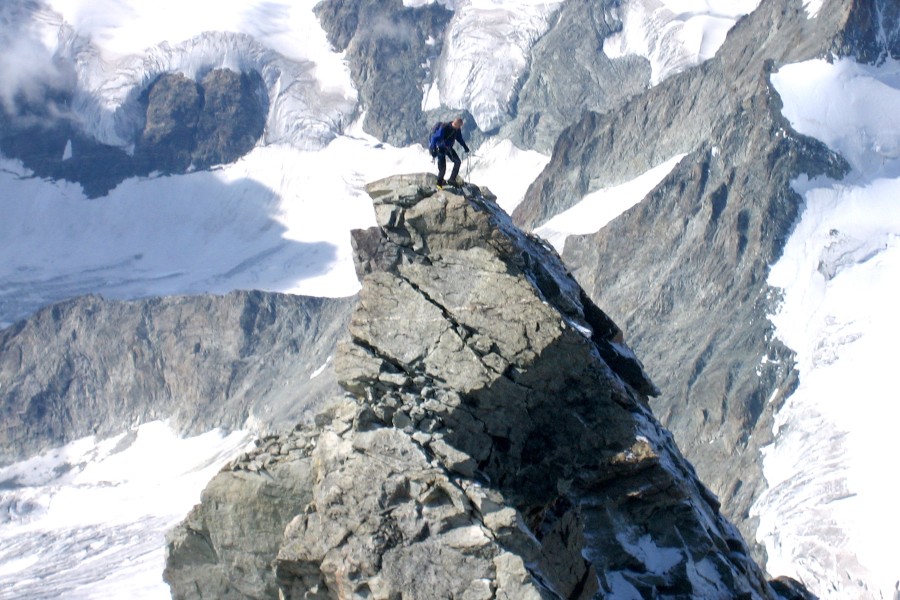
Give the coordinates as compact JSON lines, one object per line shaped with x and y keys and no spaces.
{"x":449,"y":135}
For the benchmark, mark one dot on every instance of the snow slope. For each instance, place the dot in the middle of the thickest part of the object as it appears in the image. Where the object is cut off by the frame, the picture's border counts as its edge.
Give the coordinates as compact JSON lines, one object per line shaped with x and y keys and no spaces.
{"x":88,"y":520}
{"x":828,"y":517}
{"x":602,"y":206}
{"x":675,"y":34}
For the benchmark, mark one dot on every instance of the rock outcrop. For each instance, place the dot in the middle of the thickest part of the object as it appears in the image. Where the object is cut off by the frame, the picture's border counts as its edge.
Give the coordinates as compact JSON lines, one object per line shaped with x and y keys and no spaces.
{"x":495,"y":442}
{"x":91,"y":366}
{"x":199,"y":124}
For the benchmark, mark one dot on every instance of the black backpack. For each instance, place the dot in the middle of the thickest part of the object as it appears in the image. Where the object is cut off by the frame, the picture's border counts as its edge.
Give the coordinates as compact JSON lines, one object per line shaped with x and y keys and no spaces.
{"x":435,"y":141}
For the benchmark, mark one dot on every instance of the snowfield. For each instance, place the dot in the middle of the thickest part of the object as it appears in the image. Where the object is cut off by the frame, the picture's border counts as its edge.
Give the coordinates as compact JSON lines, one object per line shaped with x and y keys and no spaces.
{"x":675,"y":34}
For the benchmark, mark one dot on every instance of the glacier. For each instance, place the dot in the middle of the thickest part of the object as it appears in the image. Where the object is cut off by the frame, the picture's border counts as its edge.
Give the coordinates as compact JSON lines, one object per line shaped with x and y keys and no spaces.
{"x":304,"y":111}
{"x":504,"y":31}
{"x":827,"y":516}
{"x":674,"y":35}
{"x":88,"y":520}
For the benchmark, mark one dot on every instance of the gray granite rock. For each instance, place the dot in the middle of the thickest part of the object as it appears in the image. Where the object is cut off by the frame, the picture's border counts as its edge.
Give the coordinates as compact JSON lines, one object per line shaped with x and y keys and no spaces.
{"x":487,"y":449}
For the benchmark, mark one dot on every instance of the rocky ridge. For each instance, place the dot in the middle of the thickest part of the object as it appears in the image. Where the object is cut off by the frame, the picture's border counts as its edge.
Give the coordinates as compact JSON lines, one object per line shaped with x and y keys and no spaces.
{"x":495,"y":442}
{"x":91,"y":366}
{"x":685,"y":270}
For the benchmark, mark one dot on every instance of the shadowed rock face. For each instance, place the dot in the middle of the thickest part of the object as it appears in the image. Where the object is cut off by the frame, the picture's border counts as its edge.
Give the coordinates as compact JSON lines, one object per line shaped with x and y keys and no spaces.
{"x":188,"y":125}
{"x":174,"y":103}
{"x":233,"y":116}
{"x":495,"y":442}
{"x":197,"y":125}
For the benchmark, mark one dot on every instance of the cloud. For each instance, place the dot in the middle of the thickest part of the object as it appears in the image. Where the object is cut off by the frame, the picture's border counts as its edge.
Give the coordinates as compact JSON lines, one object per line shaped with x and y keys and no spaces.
{"x":29,"y":69}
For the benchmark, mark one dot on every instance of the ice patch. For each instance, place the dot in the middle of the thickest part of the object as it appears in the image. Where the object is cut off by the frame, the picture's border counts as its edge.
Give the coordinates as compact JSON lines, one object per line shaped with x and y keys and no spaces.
{"x":321,"y":369}
{"x":644,"y":549}
{"x":813,"y":7}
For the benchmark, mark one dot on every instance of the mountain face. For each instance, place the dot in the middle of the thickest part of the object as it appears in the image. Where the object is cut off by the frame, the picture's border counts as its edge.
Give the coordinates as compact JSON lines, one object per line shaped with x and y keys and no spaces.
{"x":685,"y":271}
{"x":88,"y":366}
{"x":397,"y":52}
{"x":502,"y":429}
{"x":568,"y":75}
{"x":388,"y":47}
{"x":187,"y":125}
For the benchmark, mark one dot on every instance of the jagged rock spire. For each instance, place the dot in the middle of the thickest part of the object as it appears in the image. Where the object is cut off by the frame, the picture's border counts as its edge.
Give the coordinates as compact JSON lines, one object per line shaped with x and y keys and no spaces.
{"x":497,"y":444}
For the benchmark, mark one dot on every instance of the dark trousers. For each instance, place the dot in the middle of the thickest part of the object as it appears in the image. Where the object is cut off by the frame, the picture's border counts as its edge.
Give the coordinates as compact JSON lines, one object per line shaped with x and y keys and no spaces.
{"x":442,"y":164}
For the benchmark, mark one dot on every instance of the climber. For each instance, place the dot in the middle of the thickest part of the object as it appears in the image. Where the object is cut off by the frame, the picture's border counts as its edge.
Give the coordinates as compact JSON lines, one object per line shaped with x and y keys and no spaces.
{"x":443,"y":136}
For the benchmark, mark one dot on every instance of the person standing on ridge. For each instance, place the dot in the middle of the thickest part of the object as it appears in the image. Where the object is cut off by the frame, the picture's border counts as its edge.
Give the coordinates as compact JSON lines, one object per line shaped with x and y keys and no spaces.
{"x":443,"y":138}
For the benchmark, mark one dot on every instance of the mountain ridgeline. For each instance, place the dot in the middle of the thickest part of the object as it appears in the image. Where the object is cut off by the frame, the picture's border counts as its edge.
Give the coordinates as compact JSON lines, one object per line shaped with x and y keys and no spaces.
{"x":91,"y":366}
{"x":495,"y":441}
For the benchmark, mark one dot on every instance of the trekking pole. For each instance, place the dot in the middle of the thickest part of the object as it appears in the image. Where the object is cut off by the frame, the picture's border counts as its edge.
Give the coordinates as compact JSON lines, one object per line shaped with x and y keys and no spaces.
{"x":468,"y":163}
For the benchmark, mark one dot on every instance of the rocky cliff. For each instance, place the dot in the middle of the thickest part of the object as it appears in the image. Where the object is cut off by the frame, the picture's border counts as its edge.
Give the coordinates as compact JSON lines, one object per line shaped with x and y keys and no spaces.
{"x":91,"y":366}
{"x":389,"y":48}
{"x":685,"y":270}
{"x":495,"y":441}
